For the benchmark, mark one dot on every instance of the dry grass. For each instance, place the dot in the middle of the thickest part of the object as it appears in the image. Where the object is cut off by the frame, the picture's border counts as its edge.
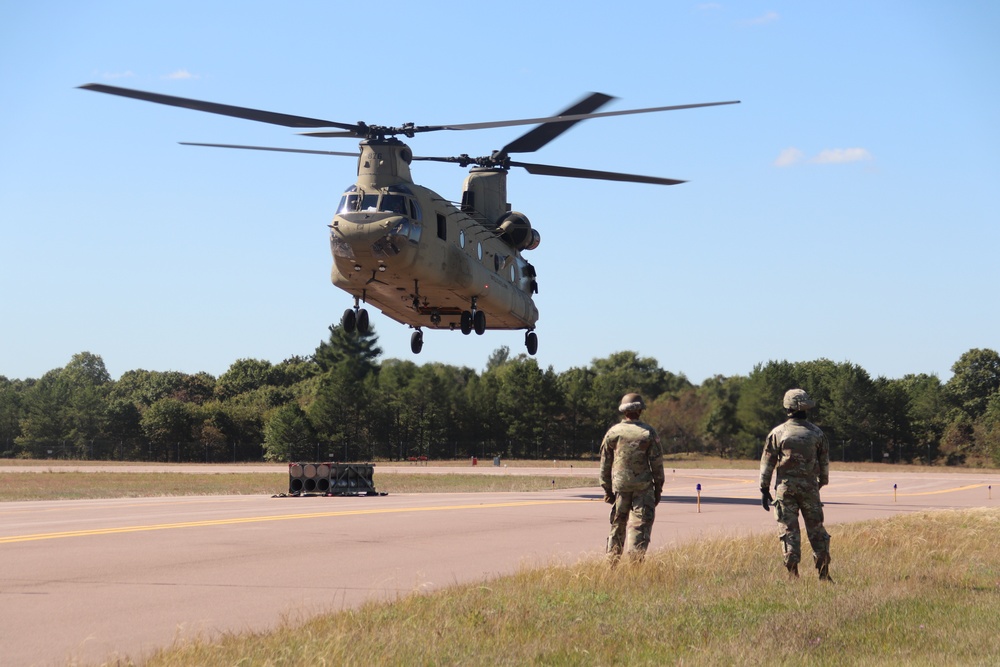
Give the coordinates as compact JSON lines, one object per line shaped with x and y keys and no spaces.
{"x":918,"y":589}
{"x":54,"y":485}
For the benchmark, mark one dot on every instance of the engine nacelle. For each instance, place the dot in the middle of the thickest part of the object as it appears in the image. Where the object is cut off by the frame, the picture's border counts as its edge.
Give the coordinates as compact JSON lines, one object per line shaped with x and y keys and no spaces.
{"x":515,"y":229}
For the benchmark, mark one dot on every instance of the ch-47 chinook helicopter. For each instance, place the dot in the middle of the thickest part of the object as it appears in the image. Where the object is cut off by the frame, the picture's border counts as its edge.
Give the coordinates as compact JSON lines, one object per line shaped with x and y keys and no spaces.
{"x":421,"y":259}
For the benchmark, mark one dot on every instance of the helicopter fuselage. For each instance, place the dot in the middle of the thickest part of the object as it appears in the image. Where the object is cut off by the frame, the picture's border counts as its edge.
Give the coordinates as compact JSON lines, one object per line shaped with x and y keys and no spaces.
{"x":421,"y":259}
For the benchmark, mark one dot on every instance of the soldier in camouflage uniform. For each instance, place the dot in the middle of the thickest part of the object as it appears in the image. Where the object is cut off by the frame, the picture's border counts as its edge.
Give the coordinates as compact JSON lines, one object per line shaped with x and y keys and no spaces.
{"x":632,"y":479}
{"x":799,"y":451}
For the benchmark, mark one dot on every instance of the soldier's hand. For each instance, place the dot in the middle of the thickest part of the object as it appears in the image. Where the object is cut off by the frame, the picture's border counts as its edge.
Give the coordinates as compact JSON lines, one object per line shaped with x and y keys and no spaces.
{"x":765,"y":499}
{"x":609,"y":498}
{"x":657,"y":494}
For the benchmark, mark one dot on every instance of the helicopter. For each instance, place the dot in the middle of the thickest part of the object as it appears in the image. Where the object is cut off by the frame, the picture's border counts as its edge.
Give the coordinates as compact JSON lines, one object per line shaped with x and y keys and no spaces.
{"x":423,"y":260}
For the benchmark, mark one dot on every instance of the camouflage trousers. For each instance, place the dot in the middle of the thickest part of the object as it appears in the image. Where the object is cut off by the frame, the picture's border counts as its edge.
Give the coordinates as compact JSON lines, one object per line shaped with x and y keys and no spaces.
{"x":792,"y":497}
{"x":631,"y":524}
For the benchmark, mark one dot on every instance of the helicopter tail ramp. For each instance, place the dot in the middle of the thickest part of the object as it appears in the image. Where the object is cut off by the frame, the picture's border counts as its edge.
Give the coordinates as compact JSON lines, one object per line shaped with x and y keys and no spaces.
{"x":331,"y":479}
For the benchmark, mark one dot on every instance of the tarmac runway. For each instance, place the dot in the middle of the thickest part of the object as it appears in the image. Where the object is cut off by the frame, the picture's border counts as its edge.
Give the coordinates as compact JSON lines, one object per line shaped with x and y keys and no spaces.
{"x":87,"y":580}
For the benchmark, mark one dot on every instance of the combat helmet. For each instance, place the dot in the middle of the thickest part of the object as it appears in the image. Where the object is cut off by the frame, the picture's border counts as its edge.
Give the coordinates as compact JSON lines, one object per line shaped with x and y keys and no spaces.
{"x":797,"y":400}
{"x":632,"y":403}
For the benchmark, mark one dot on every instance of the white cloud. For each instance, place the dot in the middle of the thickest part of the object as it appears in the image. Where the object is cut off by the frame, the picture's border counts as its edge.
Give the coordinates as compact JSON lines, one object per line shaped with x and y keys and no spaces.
{"x":792,"y":155}
{"x":788,"y":157}
{"x":768,"y":17}
{"x":841,"y":156}
{"x":181,"y":74}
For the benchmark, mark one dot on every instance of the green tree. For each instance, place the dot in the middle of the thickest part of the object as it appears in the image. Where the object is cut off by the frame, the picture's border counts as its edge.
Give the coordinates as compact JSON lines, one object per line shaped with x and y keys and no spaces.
{"x":288,"y":436}
{"x":123,"y":429}
{"x":10,"y":416}
{"x":721,"y":427}
{"x":678,"y":418}
{"x":625,"y":372}
{"x":338,"y":413}
{"x":88,"y":382}
{"x":926,"y":412}
{"x":43,"y":427}
{"x":243,"y":376}
{"x":582,"y":430}
{"x":391,"y":423}
{"x":167,"y":425}
{"x":359,"y":351}
{"x":530,"y":401}
{"x":975,"y":379}
{"x":758,"y":408}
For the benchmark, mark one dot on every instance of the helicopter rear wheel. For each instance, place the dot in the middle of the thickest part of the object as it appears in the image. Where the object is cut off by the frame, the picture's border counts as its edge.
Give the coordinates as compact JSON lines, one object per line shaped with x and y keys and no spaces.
{"x":479,"y":322}
{"x":417,"y":342}
{"x":362,"y":323}
{"x":465,"y":322}
{"x":349,"y":321}
{"x":531,"y":342}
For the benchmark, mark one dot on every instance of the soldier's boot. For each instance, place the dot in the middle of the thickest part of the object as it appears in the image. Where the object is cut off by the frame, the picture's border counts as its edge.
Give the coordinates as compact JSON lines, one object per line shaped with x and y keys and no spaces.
{"x":793,"y":570}
{"x":823,"y":566}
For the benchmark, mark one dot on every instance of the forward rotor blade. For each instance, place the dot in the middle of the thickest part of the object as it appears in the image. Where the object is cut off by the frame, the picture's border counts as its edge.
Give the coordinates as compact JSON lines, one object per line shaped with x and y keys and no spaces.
{"x":222,"y":109}
{"x":266,"y":148}
{"x":573,"y":117}
{"x":546,"y":132}
{"x":327,"y":135}
{"x":570,"y":172}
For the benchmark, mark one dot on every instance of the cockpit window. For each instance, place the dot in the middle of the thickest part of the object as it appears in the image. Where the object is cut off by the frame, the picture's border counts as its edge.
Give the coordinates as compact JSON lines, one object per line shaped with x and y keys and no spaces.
{"x":348,"y":203}
{"x":369,"y":203}
{"x":393,"y":204}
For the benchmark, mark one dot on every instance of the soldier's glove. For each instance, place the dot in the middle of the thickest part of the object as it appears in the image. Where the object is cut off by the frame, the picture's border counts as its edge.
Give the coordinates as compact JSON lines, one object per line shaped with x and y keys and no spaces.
{"x":766,"y":499}
{"x":822,"y":484}
{"x":609,"y":497}
{"x":657,"y":493}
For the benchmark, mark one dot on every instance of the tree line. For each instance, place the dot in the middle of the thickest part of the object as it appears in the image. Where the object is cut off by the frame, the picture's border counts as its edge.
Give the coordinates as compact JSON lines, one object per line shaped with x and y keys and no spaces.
{"x":343,"y":403}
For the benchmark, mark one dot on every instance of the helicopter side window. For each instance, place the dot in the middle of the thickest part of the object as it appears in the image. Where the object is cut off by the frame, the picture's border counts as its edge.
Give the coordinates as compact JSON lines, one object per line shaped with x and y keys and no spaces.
{"x":442,"y":227}
{"x":369,"y":203}
{"x":393,"y":204}
{"x":414,"y":210}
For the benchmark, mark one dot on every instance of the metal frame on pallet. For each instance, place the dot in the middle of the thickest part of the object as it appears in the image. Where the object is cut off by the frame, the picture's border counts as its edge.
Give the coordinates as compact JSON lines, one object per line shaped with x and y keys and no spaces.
{"x":331,"y":479}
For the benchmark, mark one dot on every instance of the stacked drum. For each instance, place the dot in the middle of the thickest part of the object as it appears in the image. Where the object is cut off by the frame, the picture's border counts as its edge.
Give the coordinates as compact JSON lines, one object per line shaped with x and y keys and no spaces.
{"x":331,"y":479}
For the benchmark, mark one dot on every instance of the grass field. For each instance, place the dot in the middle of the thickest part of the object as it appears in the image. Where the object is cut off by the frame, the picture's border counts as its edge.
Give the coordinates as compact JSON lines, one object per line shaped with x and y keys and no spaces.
{"x":920,"y":589}
{"x":56,"y":485}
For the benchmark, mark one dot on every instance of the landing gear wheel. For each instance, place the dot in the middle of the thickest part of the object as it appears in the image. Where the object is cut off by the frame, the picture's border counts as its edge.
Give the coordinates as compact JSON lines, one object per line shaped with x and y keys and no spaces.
{"x":417,"y":342}
{"x":349,"y":321}
{"x":479,"y":322}
{"x":531,"y":342}
{"x":465,"y":322}
{"x":363,"y":321}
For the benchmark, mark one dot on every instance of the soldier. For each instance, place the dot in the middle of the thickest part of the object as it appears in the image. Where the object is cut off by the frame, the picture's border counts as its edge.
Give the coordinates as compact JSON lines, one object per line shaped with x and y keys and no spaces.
{"x":801,"y":453}
{"x":632,"y":479}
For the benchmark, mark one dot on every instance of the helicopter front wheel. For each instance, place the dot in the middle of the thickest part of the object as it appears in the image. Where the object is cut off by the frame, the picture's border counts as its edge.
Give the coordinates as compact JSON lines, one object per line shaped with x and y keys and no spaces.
{"x":355,"y":320}
{"x":349,"y":321}
{"x":417,"y":341}
{"x":479,"y":322}
{"x":465,"y":322}
{"x":531,"y":342}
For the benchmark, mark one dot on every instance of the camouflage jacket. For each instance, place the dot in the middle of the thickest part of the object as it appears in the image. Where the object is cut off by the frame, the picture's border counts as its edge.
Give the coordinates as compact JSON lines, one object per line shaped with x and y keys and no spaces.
{"x":798,"y":449}
{"x":631,"y":458}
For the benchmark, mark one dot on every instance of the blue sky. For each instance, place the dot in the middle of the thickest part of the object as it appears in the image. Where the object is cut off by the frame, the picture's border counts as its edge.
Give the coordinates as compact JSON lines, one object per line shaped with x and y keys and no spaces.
{"x":846,"y":209}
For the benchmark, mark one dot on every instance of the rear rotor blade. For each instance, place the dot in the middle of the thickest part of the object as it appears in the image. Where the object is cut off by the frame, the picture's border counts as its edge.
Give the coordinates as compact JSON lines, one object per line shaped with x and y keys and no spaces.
{"x":570,"y":172}
{"x":222,"y":109}
{"x":546,"y":132}
{"x":266,"y":148}
{"x":574,"y":117}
